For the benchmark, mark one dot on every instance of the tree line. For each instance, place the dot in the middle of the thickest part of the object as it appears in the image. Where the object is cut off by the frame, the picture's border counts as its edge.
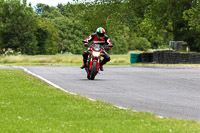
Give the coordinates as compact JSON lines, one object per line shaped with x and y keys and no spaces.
{"x":130,"y":24}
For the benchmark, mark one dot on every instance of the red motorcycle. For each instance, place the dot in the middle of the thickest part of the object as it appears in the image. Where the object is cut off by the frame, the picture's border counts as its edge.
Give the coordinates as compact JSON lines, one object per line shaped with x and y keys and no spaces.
{"x":94,"y":60}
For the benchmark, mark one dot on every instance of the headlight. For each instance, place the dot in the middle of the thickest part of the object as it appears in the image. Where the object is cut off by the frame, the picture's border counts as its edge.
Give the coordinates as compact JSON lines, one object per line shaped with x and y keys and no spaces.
{"x":95,"y":53}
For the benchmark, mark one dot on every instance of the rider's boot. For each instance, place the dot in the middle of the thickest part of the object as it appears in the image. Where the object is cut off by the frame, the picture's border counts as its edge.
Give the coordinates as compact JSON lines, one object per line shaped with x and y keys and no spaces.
{"x":83,"y":66}
{"x":101,"y":67}
{"x":84,"y":61}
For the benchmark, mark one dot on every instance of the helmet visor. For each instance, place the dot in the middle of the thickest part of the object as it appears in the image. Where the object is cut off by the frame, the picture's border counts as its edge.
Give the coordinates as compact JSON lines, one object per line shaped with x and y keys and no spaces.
{"x":100,"y":34}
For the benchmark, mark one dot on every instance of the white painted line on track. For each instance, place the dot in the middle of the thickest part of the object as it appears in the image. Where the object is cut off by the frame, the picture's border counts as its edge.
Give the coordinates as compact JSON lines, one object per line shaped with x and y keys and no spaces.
{"x":160,"y":117}
{"x":121,"y":107}
{"x":45,"y":80}
{"x":50,"y":83}
{"x":91,"y":99}
{"x":56,"y":86}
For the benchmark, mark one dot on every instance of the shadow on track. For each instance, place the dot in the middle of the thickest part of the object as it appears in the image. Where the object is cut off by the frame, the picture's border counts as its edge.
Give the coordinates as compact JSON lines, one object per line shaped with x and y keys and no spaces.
{"x":93,"y":80}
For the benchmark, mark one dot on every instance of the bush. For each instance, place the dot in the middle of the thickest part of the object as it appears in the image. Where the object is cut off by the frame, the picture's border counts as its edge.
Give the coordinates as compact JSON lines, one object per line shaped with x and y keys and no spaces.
{"x":140,"y":44}
{"x":120,"y":45}
{"x":195,"y":46}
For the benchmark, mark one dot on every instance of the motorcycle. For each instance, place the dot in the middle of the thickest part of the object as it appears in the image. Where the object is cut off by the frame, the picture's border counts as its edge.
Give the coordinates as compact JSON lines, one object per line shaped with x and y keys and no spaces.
{"x":94,"y":60}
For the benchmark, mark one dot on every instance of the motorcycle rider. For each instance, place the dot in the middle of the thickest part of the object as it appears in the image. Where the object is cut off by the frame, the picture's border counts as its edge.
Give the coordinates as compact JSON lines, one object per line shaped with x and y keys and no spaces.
{"x":101,"y":38}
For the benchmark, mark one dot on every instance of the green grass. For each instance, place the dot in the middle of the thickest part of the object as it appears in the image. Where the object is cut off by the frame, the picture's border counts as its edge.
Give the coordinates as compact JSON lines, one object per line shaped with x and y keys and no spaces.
{"x":58,"y":60}
{"x":72,"y":60}
{"x":29,"y":105}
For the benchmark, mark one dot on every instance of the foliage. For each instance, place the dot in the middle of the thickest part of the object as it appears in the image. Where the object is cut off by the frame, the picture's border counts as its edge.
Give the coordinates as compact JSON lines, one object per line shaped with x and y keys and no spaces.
{"x":167,"y":16}
{"x":128,"y":23}
{"x":72,"y":33}
{"x":193,"y":17}
{"x":140,"y":43}
{"x":47,"y":37}
{"x":17,"y":27}
{"x":23,"y":31}
{"x":70,"y":30}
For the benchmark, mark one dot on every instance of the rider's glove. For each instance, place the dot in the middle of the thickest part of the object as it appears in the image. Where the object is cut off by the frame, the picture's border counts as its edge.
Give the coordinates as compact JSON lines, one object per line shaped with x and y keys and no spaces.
{"x":108,"y":48}
{"x":86,"y":44}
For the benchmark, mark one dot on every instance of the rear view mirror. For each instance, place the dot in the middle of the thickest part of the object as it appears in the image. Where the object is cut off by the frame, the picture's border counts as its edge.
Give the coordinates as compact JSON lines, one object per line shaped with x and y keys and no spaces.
{"x":84,"y":41}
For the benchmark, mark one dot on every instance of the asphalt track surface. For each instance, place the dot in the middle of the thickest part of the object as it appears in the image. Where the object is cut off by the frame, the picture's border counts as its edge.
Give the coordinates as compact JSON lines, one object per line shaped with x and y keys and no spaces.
{"x":165,"y":91}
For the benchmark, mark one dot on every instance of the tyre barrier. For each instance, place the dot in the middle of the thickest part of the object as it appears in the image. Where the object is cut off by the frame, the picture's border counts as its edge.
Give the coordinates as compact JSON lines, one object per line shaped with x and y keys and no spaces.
{"x":146,"y":57}
{"x":169,"y":57}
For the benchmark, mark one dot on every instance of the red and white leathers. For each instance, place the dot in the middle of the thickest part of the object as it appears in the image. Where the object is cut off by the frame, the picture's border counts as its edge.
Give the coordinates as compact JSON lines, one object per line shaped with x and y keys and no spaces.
{"x":105,"y":40}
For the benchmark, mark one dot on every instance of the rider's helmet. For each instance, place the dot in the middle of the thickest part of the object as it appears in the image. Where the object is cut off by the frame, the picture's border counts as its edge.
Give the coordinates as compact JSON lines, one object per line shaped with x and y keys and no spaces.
{"x":100,"y":32}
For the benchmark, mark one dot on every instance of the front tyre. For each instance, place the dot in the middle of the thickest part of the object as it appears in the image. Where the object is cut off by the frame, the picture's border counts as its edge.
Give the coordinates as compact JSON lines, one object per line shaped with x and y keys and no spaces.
{"x":93,"y":70}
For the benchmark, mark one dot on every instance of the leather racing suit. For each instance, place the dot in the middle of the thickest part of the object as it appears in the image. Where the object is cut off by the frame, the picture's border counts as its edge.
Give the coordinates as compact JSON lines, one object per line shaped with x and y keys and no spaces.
{"x":105,"y":40}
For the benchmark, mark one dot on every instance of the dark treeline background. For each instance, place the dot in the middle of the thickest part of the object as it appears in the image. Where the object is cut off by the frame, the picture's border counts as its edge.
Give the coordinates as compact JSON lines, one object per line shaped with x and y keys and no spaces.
{"x":131,"y":24}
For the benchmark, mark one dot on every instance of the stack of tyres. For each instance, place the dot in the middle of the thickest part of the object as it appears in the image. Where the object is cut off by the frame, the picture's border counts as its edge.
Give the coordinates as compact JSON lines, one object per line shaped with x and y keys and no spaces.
{"x":170,"y":57}
{"x":150,"y":57}
{"x":162,"y":57}
{"x":185,"y":58}
{"x":166,"y":57}
{"x":198,"y":60}
{"x":146,"y":57}
{"x":176,"y":58}
{"x":156,"y":56}
{"x":195,"y":58}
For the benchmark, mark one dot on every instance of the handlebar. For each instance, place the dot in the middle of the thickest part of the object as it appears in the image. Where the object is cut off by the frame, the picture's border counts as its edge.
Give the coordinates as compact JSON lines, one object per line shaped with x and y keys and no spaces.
{"x":104,"y":46}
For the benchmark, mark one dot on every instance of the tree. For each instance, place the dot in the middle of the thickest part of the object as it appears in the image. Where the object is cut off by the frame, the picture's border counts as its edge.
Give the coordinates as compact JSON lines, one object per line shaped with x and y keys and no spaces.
{"x":193,"y":17}
{"x":47,"y":37}
{"x":17,"y":26}
{"x":130,"y":24}
{"x":24,"y":31}
{"x":167,"y":15}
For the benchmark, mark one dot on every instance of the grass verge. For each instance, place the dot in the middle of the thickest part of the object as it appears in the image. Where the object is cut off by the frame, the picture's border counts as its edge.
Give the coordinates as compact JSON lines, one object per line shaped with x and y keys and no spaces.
{"x":58,"y":60}
{"x":72,"y":60}
{"x":29,"y":105}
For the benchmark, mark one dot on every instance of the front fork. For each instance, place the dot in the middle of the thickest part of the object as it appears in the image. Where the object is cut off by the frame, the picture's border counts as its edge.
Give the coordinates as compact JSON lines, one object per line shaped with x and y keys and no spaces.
{"x":90,"y":61}
{"x":94,"y":59}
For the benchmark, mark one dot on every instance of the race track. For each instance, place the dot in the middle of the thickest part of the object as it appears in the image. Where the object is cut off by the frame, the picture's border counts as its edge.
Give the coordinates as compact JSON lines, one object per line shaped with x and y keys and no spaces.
{"x":164,"y":91}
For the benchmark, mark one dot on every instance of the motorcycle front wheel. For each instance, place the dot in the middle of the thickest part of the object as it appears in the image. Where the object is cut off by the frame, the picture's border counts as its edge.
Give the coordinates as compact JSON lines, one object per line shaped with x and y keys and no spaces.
{"x":93,"y":70}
